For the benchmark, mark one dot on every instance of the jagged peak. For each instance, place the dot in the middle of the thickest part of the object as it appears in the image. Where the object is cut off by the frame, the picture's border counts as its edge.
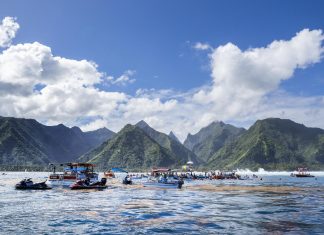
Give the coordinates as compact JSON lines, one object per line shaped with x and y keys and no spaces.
{"x":173,"y":136}
{"x":171,"y":133}
{"x":142,"y":124}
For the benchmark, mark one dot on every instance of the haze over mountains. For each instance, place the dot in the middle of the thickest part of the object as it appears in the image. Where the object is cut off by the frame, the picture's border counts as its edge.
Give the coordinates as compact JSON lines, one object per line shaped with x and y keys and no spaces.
{"x":272,"y":144}
{"x":27,"y":142}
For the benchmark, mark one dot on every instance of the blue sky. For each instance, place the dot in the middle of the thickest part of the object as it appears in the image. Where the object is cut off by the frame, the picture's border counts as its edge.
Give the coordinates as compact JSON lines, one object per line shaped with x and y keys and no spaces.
{"x":156,"y":40}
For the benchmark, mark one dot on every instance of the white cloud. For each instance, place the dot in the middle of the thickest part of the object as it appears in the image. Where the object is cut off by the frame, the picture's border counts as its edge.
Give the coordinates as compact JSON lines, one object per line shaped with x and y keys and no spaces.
{"x":94,"y":125}
{"x":8,"y":29}
{"x":34,"y":83}
{"x":124,"y":79}
{"x":202,"y":46}
{"x":68,"y":86}
{"x":242,"y":78}
{"x":243,"y":84}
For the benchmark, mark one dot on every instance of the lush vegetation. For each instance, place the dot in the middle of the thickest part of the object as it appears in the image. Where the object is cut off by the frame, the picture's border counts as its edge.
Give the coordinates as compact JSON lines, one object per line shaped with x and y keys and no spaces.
{"x":273,"y":144}
{"x":26,"y":142}
{"x":169,"y":142}
{"x":132,"y":148}
{"x":211,"y":138}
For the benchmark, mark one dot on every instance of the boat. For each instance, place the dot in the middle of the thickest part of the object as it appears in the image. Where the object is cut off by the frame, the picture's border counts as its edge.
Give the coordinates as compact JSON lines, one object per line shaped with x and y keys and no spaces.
{"x":302,"y":172}
{"x":163,"y":178}
{"x":164,"y":183}
{"x":72,"y":172}
{"x":109,"y":174}
{"x":138,"y":176}
{"x":28,"y":184}
{"x":85,"y":184}
{"x":226,"y":175}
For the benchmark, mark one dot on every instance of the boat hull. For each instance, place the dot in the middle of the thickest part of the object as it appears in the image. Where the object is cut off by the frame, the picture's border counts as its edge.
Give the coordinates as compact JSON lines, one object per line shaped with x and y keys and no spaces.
{"x":304,"y":176}
{"x":162,"y":185}
{"x":32,"y":188}
{"x":66,"y":182}
{"x":88,"y":187}
{"x":60,"y":183}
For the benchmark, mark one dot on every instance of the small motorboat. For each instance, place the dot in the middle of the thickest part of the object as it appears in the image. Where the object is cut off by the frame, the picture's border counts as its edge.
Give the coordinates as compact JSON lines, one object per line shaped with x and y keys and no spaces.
{"x":127,"y":180}
{"x":302,"y":172}
{"x":72,"y":172}
{"x":86,"y":184}
{"x":109,"y":174}
{"x":164,"y":183}
{"x":29,"y":184}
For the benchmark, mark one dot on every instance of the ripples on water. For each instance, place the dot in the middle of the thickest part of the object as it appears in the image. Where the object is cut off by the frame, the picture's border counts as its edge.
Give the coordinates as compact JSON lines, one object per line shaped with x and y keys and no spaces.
{"x":277,"y":204}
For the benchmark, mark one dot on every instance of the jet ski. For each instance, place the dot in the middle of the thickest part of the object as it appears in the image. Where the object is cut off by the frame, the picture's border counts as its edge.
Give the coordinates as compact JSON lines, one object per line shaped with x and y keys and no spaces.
{"x":29,"y":184}
{"x":127,"y":180}
{"x":85,"y":184}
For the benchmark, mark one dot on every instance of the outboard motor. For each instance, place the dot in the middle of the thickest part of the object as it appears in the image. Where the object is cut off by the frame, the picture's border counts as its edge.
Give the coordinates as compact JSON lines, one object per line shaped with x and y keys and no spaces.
{"x":103,"y":181}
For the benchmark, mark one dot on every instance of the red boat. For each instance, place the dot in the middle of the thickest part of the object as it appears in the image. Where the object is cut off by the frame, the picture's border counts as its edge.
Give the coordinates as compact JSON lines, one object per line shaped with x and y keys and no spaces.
{"x":109,"y":174}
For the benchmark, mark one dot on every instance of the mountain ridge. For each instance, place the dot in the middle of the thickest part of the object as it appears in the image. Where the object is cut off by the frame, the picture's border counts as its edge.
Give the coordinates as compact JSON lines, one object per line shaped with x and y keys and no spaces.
{"x":211,"y":138}
{"x":273,"y":144}
{"x":26,"y":141}
{"x":176,"y":147}
{"x":132,"y":148}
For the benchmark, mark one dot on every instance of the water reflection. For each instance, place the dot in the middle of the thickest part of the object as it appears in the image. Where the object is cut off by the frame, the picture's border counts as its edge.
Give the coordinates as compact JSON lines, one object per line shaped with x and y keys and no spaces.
{"x":277,"y":204}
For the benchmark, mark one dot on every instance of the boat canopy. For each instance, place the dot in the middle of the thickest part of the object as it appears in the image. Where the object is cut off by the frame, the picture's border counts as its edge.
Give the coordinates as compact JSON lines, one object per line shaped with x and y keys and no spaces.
{"x":160,"y":170}
{"x":73,"y":164}
{"x":118,"y":170}
{"x":80,"y":164}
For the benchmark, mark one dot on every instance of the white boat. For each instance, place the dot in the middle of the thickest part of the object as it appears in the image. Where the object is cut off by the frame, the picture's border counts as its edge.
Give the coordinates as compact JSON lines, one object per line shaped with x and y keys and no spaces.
{"x":164,"y":183}
{"x":72,"y":173}
{"x":163,"y":178}
{"x":153,"y":184}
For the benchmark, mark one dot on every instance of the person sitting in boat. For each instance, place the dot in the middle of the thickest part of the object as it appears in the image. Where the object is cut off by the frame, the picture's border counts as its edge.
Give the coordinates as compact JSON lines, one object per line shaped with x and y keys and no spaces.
{"x":163,"y":179}
{"x":87,"y":181}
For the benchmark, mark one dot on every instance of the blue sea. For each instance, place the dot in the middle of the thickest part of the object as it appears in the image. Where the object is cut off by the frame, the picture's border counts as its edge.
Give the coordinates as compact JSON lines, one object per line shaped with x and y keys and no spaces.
{"x":277,"y":204}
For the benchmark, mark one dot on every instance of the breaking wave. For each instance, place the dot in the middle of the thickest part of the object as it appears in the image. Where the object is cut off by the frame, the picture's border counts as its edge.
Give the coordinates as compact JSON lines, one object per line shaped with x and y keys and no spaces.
{"x":262,"y":171}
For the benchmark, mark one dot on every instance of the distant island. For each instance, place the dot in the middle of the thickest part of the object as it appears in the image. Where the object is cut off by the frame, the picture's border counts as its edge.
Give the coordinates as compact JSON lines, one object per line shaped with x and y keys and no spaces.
{"x":272,"y":144}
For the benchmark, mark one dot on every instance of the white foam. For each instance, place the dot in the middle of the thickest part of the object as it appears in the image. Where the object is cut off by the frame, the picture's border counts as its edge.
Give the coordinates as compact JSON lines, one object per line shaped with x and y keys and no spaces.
{"x":262,"y":171}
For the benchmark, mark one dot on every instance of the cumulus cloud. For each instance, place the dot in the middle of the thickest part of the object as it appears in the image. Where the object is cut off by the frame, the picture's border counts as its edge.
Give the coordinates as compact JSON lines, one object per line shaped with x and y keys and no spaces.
{"x":245,"y":86}
{"x":242,"y":78}
{"x":67,"y":88}
{"x":94,"y":125}
{"x":8,"y":29}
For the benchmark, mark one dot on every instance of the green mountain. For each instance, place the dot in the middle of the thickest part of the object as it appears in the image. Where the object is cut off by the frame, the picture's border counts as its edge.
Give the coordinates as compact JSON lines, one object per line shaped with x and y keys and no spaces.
{"x":27,"y":142}
{"x":132,"y":148}
{"x":273,"y":144}
{"x":173,"y":145}
{"x":211,"y":138}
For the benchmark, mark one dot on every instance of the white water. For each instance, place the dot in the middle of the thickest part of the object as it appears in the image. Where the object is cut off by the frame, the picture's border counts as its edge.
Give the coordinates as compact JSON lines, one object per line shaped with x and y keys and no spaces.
{"x":261,"y":171}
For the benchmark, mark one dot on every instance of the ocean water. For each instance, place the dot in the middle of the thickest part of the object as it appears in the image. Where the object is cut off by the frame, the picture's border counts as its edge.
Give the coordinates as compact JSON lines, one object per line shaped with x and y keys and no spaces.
{"x":277,"y":204}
